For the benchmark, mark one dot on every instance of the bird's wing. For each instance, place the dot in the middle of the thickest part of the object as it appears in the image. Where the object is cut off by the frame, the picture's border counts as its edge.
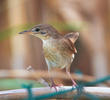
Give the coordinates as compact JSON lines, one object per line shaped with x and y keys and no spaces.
{"x":71,"y":38}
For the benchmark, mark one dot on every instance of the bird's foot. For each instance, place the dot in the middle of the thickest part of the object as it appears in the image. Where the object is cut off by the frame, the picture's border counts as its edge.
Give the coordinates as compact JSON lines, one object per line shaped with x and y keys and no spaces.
{"x":74,"y":84}
{"x":55,"y":86}
{"x":79,"y":88}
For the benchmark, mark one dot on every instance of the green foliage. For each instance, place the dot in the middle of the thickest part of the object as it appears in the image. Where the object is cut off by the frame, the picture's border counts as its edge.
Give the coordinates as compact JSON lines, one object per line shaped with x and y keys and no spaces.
{"x":4,"y":34}
{"x":68,"y":27}
{"x":6,"y":84}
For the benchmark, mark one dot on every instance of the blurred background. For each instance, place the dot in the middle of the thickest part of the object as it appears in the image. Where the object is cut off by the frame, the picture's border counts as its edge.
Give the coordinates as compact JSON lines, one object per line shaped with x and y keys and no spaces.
{"x":90,"y":18}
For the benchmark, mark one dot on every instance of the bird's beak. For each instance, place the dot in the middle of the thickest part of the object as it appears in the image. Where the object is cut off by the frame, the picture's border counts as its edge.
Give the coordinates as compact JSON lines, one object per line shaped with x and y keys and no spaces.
{"x":26,"y":32}
{"x":23,"y":32}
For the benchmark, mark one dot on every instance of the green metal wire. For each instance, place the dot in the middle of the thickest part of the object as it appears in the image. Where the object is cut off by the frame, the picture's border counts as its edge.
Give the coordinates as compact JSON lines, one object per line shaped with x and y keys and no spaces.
{"x":98,"y":81}
{"x":49,"y":95}
{"x":76,"y":97}
{"x":29,"y":89}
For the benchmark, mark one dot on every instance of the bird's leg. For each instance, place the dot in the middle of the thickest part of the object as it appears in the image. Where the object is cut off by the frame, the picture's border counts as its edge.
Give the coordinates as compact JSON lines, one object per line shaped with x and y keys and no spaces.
{"x":79,"y":90}
{"x":68,"y":73}
{"x":53,"y":84}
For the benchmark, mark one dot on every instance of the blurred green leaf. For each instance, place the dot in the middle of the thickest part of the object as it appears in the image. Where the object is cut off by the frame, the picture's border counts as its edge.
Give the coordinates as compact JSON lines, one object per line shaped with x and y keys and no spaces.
{"x":6,"y":33}
{"x":68,"y":27}
{"x":6,"y":84}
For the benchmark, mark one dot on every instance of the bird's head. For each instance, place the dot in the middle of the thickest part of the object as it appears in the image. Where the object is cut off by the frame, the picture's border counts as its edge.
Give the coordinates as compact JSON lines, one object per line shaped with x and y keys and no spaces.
{"x":42,"y":31}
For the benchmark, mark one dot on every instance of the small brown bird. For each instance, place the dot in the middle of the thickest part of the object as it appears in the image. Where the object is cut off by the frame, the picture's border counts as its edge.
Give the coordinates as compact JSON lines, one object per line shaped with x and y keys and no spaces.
{"x":59,"y":50}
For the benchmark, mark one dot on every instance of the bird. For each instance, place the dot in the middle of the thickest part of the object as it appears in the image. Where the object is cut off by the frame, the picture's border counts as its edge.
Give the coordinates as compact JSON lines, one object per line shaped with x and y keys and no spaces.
{"x":59,"y":50}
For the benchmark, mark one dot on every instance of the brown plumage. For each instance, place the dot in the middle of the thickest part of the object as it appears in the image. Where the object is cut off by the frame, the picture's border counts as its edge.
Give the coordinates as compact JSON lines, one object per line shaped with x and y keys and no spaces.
{"x":58,"y":49}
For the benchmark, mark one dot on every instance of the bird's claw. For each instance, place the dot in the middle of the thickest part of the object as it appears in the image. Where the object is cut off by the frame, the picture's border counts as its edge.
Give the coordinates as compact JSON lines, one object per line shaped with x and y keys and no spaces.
{"x":55,"y":86}
{"x":79,"y":89}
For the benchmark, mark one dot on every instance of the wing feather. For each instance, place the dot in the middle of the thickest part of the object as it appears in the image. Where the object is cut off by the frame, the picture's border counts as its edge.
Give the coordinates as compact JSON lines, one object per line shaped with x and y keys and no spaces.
{"x":71,"y":39}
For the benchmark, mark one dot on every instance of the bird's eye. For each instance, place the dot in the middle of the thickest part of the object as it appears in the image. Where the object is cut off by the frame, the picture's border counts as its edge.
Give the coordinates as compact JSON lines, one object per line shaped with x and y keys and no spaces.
{"x":36,"y":29}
